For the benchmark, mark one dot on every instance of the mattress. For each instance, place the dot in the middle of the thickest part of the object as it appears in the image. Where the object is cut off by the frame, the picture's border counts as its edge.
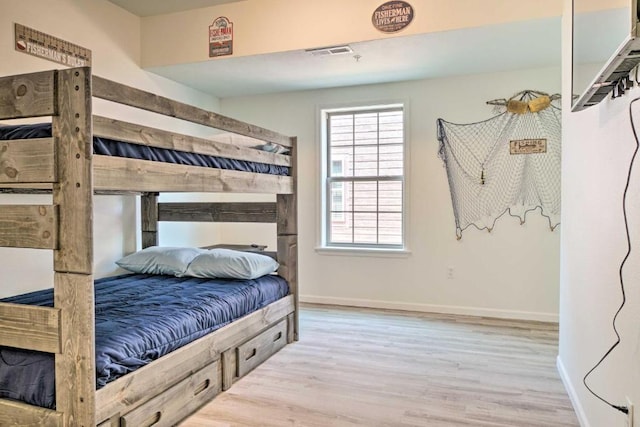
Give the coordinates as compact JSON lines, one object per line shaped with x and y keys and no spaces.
{"x":110,"y":147}
{"x":138,"y":319}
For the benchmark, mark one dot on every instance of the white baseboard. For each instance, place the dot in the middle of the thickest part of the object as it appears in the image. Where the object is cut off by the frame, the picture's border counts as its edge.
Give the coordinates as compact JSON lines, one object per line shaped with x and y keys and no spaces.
{"x":432,"y":308}
{"x":571,"y":391}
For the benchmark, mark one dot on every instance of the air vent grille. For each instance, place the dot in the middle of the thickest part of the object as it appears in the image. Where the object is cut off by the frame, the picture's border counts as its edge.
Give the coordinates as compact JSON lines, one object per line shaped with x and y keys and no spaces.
{"x":333,"y":50}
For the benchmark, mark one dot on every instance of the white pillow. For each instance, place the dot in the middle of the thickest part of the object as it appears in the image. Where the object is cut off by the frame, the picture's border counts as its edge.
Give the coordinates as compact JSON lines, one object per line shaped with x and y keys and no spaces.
{"x":160,"y":260}
{"x":230,"y":264}
{"x":273,"y":148}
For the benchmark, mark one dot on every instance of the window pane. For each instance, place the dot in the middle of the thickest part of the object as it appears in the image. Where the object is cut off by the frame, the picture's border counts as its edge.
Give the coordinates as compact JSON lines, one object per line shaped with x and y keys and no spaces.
{"x":365,"y":196}
{"x":366,"y":161}
{"x":390,"y":228}
{"x":391,"y":127}
{"x":337,"y":197}
{"x":341,"y":228}
{"x":365,"y":228}
{"x":336,"y":167}
{"x":391,"y":168}
{"x":366,"y":129}
{"x":341,"y":130}
{"x":343,"y":155}
{"x":391,"y":150}
{"x":391,"y":160}
{"x":390,"y":196}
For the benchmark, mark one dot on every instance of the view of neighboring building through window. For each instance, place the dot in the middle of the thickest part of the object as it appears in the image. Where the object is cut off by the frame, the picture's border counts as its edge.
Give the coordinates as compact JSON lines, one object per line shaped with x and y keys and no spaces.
{"x":364,"y":177}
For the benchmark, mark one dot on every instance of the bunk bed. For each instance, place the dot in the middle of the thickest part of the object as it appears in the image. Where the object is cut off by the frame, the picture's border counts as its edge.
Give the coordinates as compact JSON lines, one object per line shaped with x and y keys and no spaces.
{"x":61,"y":161}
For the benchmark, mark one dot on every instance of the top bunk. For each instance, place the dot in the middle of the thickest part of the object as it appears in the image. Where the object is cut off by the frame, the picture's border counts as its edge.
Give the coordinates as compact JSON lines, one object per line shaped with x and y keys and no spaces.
{"x":104,"y":152}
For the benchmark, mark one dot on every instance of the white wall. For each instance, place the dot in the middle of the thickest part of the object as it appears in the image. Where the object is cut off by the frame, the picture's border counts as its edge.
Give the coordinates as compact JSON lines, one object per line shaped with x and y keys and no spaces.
{"x":113,"y":35}
{"x":267,"y":26}
{"x":597,"y":147}
{"x":512,"y":272}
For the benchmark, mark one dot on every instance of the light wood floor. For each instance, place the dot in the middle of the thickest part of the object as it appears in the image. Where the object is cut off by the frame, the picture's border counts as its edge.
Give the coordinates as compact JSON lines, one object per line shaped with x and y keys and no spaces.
{"x":357,"y":367}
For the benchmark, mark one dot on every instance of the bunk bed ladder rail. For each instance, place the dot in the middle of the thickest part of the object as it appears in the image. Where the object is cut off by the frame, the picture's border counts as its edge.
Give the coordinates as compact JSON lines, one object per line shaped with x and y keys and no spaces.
{"x":287,"y":220}
{"x":62,"y":162}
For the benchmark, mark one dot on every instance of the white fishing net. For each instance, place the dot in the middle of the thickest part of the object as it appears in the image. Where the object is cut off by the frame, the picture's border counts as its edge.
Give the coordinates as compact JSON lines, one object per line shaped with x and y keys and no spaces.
{"x":508,"y":164}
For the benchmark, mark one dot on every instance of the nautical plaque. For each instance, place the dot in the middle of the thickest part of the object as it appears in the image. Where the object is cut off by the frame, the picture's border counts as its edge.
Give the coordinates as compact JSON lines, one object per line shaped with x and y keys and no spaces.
{"x":528,"y":146}
{"x":392,"y":16}
{"x":45,"y":46}
{"x":220,"y":37}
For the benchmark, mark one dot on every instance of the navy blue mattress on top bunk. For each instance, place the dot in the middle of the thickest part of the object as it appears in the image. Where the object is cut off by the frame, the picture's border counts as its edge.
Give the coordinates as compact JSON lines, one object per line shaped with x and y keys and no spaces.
{"x":138,"y":318}
{"x":109,"y":147}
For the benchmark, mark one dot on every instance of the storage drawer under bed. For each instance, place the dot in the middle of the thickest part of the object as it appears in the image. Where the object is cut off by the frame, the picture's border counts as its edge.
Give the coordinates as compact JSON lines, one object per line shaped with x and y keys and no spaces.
{"x":177,"y":402}
{"x":238,"y":361}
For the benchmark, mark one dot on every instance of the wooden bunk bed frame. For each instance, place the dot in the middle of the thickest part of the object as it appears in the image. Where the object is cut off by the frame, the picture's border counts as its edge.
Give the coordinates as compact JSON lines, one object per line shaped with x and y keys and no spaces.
{"x":172,"y":387}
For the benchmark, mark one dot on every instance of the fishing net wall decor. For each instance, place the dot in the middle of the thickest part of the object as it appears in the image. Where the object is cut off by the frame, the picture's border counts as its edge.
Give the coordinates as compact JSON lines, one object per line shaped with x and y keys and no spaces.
{"x":508,"y":164}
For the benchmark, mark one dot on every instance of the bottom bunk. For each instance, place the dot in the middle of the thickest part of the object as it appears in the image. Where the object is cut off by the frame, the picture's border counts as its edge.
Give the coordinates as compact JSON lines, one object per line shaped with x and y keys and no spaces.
{"x":159,"y":341}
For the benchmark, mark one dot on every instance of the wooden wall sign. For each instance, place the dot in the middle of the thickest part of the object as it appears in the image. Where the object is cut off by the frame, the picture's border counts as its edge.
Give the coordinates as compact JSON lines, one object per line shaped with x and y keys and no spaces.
{"x":45,"y":46}
{"x":220,"y":37}
{"x":528,"y":146}
{"x":392,"y":16}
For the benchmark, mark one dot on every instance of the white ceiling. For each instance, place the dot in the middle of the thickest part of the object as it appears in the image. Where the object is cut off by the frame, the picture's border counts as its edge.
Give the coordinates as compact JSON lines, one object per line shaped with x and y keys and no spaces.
{"x":468,"y":51}
{"x":161,"y":7}
{"x":505,"y":47}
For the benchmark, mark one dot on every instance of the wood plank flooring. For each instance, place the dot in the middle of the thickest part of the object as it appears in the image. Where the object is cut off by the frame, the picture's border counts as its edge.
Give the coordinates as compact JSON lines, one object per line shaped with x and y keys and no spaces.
{"x":361,"y":367}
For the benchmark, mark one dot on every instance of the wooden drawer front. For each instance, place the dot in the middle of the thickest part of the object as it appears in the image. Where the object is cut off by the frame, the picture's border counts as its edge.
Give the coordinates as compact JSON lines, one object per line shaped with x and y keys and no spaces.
{"x":176,"y":403}
{"x":258,"y":349}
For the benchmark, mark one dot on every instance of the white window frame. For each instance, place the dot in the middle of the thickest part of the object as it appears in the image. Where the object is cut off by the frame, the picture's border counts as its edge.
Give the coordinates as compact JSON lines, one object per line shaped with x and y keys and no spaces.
{"x":358,"y":248}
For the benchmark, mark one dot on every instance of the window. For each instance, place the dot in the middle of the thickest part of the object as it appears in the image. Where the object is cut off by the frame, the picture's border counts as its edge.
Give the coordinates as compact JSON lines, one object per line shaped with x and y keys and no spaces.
{"x":364,"y":177}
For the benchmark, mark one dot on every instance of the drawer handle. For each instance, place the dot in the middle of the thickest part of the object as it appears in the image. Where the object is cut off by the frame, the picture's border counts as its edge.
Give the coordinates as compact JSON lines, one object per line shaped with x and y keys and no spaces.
{"x":277,"y":337}
{"x":152,"y":420}
{"x":202,"y":387}
{"x":253,"y":353}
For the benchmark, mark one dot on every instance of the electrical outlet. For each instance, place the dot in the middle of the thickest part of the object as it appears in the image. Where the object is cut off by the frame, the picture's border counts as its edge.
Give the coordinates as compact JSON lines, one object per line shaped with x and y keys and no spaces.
{"x":629,"y":413}
{"x":449,"y":273}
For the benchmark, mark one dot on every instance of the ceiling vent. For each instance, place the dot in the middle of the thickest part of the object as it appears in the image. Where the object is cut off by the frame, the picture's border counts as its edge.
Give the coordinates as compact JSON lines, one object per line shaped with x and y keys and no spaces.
{"x":333,"y":50}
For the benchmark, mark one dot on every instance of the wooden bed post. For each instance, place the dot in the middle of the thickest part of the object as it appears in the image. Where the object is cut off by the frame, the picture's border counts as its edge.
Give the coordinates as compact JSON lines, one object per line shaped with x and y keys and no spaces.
{"x":149,"y":214}
{"x":287,"y":220}
{"x":73,"y":259}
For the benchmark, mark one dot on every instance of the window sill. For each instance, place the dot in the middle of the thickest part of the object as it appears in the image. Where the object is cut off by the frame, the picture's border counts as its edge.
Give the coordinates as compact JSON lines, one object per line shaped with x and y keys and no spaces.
{"x":364,"y":252}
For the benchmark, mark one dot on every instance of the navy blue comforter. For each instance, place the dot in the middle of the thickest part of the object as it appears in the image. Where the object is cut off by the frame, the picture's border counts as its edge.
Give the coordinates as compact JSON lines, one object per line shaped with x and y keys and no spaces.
{"x":139,"y":318}
{"x":109,"y":147}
